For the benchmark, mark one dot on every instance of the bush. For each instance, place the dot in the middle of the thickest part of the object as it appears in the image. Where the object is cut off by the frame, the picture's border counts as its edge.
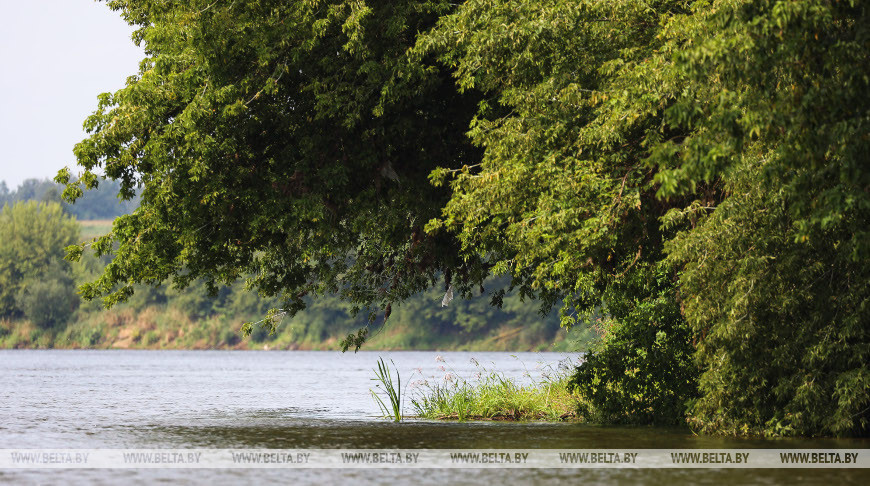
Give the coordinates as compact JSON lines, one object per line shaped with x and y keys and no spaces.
{"x":230,"y":337}
{"x":90,"y":337}
{"x":151,"y":337}
{"x":782,"y":321}
{"x":642,"y":371}
{"x":48,"y":302}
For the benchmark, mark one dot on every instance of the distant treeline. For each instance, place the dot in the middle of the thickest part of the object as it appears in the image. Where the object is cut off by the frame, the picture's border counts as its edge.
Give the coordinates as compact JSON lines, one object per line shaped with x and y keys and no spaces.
{"x":99,"y":203}
{"x":39,"y":306}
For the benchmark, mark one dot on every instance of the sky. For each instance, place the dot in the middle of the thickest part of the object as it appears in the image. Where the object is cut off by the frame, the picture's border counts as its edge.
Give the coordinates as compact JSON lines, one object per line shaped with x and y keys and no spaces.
{"x":56,"y":56}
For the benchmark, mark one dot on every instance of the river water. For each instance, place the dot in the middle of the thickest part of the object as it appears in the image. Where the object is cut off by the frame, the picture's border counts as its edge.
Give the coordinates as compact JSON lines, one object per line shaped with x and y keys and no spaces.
{"x":309,"y":399}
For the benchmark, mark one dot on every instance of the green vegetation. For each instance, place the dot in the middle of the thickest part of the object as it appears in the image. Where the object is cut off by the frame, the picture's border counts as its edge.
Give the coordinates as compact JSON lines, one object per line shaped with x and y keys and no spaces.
{"x":43,"y":310}
{"x":642,"y":371}
{"x":151,"y":328}
{"x":165,"y":318}
{"x":393,"y":391}
{"x":692,"y":172}
{"x":34,"y":279}
{"x":167,"y":326}
{"x":94,"y":228}
{"x":491,"y":396}
{"x":100,"y":204}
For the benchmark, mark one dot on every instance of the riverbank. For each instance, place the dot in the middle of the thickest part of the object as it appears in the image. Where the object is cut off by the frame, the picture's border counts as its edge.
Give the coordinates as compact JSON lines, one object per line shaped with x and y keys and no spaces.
{"x":169,"y":328}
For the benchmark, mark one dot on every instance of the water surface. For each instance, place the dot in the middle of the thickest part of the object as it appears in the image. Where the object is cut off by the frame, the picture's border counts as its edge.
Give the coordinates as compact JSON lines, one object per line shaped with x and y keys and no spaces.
{"x":310,"y":399}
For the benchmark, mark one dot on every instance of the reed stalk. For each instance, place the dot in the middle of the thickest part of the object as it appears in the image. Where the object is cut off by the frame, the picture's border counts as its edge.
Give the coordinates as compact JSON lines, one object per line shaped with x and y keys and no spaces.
{"x":394,"y":391}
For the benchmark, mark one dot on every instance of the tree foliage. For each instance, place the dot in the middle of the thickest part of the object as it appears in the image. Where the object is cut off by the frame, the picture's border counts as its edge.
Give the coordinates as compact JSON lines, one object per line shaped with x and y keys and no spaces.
{"x":564,"y":198}
{"x":32,"y":250}
{"x":694,"y":171}
{"x":775,"y":278}
{"x":642,"y":372}
{"x":250,"y":127}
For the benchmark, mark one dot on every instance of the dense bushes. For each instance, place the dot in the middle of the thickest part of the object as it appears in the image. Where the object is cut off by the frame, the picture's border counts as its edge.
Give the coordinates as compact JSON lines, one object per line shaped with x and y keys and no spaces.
{"x":49,"y":299}
{"x":642,"y":371}
{"x":784,"y":322}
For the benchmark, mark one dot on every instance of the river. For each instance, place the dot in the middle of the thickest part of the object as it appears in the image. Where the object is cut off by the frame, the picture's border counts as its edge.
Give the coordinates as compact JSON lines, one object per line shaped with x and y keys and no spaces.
{"x":308,"y":399}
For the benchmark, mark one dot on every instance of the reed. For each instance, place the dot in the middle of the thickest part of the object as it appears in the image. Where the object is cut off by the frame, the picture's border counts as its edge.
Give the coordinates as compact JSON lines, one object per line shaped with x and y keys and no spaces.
{"x":393,"y":391}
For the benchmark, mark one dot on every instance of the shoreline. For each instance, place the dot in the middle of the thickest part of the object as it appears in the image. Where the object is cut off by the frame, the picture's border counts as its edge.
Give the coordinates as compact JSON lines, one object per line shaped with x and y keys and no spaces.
{"x":156,"y":328}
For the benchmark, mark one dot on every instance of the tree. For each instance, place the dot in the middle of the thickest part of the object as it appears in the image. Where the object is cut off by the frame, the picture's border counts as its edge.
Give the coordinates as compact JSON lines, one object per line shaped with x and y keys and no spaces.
{"x":565,"y":198}
{"x":725,"y":146}
{"x":775,"y":277}
{"x":101,"y":203}
{"x":694,"y":172}
{"x":4,"y":193}
{"x":258,"y":134}
{"x":32,"y":248}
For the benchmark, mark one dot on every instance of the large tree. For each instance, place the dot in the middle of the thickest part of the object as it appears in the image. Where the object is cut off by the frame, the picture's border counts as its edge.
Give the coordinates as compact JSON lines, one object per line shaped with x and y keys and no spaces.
{"x":259,"y":137}
{"x":700,"y":162}
{"x":692,"y":173}
{"x":565,"y":199}
{"x":775,"y":277}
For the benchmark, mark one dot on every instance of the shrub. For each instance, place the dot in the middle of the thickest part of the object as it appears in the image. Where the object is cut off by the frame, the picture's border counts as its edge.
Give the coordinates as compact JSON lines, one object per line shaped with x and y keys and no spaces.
{"x":642,"y":371}
{"x":49,"y":301}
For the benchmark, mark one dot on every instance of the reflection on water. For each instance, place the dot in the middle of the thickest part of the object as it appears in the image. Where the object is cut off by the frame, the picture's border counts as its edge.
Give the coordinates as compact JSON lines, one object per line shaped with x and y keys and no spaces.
{"x":225,"y":399}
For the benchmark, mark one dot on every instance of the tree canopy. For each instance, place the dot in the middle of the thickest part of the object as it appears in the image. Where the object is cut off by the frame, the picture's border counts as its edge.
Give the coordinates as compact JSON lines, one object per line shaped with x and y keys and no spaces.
{"x":693,"y":174}
{"x":250,"y":128}
{"x":34,"y":278}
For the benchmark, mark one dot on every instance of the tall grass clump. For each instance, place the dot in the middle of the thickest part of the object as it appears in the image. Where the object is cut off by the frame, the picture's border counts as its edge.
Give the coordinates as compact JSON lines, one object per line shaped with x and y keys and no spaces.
{"x":394,"y":392}
{"x":492,"y":396}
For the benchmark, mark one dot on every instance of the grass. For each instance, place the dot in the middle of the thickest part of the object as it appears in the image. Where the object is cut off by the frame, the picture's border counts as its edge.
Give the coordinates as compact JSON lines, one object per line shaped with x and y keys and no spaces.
{"x":394,"y":393}
{"x":492,"y":396}
{"x":94,"y":227}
